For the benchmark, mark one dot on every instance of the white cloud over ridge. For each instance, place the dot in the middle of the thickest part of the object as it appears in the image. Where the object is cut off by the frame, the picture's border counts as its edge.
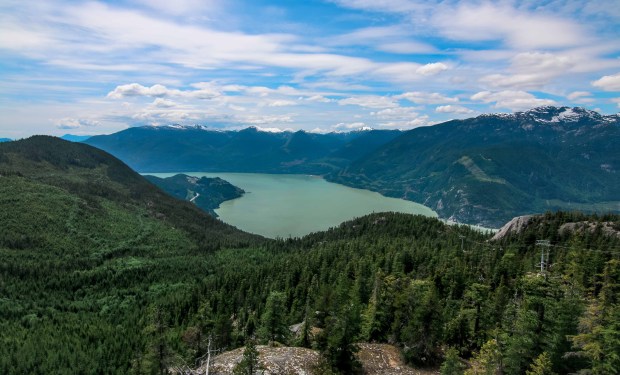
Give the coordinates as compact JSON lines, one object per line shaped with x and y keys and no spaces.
{"x":369,"y":101}
{"x":453,"y":109}
{"x":513,"y":100}
{"x":426,"y":97}
{"x":69,"y":123}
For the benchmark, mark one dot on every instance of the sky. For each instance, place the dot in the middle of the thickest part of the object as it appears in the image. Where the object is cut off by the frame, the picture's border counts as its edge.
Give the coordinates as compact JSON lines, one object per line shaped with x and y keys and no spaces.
{"x":98,"y":67}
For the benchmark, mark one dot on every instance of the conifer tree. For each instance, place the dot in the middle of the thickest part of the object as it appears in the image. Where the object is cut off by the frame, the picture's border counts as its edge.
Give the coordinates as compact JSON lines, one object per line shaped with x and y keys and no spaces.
{"x":541,"y":366}
{"x":273,"y":321}
{"x":249,"y":363}
{"x":452,"y":364}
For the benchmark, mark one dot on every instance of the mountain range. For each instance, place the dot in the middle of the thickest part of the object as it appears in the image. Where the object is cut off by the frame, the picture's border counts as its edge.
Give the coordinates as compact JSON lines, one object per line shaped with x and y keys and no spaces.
{"x":196,"y":148}
{"x":483,"y":170}
{"x":491,"y":168}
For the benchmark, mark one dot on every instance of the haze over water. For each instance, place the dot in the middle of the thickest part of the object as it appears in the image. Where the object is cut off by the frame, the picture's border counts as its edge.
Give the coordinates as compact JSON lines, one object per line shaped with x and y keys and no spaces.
{"x":295,"y":205}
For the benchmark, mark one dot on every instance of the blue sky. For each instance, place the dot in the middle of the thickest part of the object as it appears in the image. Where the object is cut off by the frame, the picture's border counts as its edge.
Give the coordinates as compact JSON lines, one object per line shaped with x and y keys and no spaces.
{"x":98,"y":67}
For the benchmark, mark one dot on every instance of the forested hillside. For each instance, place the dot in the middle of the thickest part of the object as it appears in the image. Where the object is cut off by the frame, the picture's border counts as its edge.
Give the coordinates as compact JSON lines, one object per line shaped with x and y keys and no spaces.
{"x":206,"y":193}
{"x":87,"y":247}
{"x":102,"y":273}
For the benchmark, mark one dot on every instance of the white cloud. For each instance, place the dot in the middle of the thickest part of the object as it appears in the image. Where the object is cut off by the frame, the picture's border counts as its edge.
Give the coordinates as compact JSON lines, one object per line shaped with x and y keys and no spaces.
{"x":264,"y":119}
{"x":181,"y":7}
{"x":157,"y":90}
{"x":403,"y":125}
{"x":617,"y":101}
{"x":75,"y":123}
{"x":281,"y":103}
{"x":392,"y":6}
{"x":431,"y":69}
{"x":319,"y":130}
{"x":514,"y":100}
{"x":348,"y":126}
{"x":366,"y":35}
{"x":398,"y":113}
{"x":578,"y":94}
{"x":453,"y":109}
{"x":237,"y":108}
{"x":319,"y":98}
{"x":136,"y":89}
{"x":608,"y":83}
{"x":392,"y":39}
{"x":530,"y":70}
{"x":369,"y":101}
{"x":400,"y":118}
{"x":580,"y":97}
{"x":517,"y":28}
{"x":163,"y":103}
{"x":406,"y":47}
{"x":426,"y":97}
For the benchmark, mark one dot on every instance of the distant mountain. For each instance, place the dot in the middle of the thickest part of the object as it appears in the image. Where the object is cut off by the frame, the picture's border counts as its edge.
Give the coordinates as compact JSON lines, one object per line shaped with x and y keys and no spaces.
{"x":75,"y":138}
{"x":196,"y":148}
{"x":5,"y":139}
{"x":488,"y":169}
{"x":206,"y":193}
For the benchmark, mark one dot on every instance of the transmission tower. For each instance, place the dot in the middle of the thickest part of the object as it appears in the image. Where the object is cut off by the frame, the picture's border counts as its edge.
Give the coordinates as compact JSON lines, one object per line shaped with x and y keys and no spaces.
{"x":544,"y":250}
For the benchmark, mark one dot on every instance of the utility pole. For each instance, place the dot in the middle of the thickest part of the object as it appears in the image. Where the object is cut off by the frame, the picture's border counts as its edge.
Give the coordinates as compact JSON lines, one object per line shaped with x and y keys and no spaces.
{"x":544,"y":244}
{"x":208,"y":355}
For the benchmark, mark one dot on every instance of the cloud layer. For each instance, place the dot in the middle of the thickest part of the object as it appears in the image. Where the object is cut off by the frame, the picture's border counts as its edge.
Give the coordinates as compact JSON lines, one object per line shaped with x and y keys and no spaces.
{"x":94,"y":66}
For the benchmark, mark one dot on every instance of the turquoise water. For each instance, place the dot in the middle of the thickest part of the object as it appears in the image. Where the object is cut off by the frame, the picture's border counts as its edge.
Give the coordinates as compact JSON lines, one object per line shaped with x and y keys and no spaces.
{"x":295,"y":205}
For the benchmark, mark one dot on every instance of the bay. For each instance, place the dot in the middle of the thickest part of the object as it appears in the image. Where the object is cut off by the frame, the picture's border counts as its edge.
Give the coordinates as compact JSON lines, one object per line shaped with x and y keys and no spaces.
{"x":294,"y":205}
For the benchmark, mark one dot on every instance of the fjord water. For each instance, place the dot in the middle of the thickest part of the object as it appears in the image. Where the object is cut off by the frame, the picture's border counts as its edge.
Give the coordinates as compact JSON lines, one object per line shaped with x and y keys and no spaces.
{"x":295,"y":205}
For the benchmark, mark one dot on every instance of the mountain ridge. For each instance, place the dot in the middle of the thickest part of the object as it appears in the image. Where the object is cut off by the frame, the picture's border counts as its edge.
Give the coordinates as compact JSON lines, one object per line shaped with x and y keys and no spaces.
{"x":182,"y":148}
{"x":482,"y":170}
{"x":487,"y":169}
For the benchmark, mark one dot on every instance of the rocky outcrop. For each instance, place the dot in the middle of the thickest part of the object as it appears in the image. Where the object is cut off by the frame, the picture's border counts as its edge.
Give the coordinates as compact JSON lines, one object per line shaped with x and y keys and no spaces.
{"x":514,"y":226}
{"x":279,"y":360}
{"x":376,"y":359}
{"x":608,"y":228}
{"x":386,"y":359}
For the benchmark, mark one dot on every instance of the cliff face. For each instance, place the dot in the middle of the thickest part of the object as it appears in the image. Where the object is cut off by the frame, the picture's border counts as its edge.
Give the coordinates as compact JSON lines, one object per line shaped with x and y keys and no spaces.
{"x":521,"y":223}
{"x":514,"y":226}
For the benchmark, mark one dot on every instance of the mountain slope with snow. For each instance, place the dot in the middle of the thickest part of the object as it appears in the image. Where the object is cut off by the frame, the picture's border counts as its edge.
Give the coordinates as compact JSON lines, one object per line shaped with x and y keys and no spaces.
{"x":488,"y":169}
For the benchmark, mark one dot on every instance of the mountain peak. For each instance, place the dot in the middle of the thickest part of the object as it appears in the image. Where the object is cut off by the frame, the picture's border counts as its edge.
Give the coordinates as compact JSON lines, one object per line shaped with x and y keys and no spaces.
{"x":559,"y":114}
{"x":556,"y":115}
{"x":185,"y":127}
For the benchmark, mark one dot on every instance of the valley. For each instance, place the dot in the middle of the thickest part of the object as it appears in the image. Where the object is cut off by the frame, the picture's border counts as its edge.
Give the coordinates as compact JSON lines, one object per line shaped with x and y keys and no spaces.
{"x":102,"y":272}
{"x":277,"y":205}
{"x":481,"y":171}
{"x":326,"y":187}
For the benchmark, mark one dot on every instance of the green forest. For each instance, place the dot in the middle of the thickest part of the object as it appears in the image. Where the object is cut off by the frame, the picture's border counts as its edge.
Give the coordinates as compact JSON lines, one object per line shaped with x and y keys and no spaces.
{"x":102,"y":273}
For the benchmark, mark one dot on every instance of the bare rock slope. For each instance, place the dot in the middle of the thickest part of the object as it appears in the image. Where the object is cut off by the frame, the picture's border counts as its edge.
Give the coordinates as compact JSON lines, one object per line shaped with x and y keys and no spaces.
{"x":376,"y":359}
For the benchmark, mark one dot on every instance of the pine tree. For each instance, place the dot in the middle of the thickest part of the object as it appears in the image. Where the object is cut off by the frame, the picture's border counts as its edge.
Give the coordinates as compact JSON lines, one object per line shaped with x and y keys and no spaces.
{"x":488,"y":361}
{"x":541,"y":365}
{"x":273,"y":321}
{"x":452,"y":364}
{"x":249,"y":363}
{"x":599,"y":328}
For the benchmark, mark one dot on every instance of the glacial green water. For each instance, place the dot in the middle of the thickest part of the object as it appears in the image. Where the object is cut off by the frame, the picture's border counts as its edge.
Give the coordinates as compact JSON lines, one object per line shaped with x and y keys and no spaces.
{"x":295,"y":205}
